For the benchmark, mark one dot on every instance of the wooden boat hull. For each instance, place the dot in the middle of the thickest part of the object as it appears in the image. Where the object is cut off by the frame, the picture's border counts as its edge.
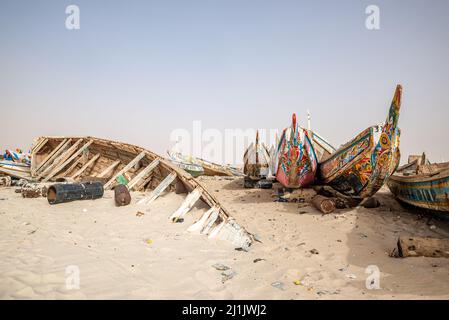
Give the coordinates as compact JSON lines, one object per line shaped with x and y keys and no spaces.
{"x":297,"y":162}
{"x":15,"y":169}
{"x":94,"y":159}
{"x":425,"y":190}
{"x":362,"y":166}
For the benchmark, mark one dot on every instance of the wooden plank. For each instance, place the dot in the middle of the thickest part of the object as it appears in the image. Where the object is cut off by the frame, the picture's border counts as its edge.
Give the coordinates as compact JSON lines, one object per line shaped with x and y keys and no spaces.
{"x":143,"y":173}
{"x":211,"y":221}
{"x":159,"y":189}
{"x":71,"y":168}
{"x":61,"y":166}
{"x":35,"y":150}
{"x":108,"y":169}
{"x":39,"y":146}
{"x":125,"y":169}
{"x":198,"y":227}
{"x":53,"y":154}
{"x":187,"y":204}
{"x":87,"y":165}
{"x":421,"y":247}
{"x":62,"y":157}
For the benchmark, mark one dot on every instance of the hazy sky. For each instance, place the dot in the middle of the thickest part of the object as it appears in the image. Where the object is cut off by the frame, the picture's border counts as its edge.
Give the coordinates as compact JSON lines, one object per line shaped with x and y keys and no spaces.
{"x":136,"y":70}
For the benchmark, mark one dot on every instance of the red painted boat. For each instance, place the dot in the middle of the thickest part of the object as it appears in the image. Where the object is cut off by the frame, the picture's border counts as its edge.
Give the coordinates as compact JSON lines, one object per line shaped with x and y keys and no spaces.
{"x":297,"y":162}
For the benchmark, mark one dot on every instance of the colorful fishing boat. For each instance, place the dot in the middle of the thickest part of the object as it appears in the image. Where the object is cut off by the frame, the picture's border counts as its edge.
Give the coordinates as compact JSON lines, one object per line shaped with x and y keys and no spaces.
{"x":256,"y":160}
{"x":422,"y":184}
{"x":297,"y":161}
{"x":362,"y":166}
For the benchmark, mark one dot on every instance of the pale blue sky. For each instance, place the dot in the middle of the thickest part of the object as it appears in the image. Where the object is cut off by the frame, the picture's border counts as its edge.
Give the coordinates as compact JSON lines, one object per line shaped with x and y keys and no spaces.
{"x":136,"y":70}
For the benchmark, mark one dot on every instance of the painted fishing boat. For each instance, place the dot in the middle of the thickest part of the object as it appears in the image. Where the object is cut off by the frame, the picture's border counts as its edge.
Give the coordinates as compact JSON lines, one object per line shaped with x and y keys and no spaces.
{"x":362,"y":166}
{"x":93,"y":159}
{"x":256,"y":160}
{"x":297,"y":161}
{"x":422,"y":184}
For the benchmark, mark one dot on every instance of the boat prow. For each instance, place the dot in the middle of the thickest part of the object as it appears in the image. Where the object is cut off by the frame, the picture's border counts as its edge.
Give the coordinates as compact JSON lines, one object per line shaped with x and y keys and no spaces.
{"x":297,"y":161}
{"x":362,"y":166}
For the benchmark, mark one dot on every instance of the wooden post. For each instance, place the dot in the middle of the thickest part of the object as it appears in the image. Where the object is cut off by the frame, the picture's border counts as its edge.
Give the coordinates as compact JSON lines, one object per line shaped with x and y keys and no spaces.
{"x":87,"y":165}
{"x":422,"y":247}
{"x":325,"y":205}
{"x":133,"y":162}
{"x":59,"y":167}
{"x":143,"y":173}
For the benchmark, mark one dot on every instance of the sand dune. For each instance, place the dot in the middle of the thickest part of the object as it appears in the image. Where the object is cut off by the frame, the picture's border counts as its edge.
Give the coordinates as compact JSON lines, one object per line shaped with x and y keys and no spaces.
{"x":122,"y":255}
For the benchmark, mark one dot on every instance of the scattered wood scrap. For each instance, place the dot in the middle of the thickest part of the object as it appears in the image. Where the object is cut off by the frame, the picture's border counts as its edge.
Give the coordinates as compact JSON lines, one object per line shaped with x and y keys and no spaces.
{"x":421,"y":247}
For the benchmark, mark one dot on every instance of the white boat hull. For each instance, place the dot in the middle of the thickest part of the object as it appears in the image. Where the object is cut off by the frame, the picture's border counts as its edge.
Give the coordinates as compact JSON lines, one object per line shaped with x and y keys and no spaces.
{"x":15,"y":169}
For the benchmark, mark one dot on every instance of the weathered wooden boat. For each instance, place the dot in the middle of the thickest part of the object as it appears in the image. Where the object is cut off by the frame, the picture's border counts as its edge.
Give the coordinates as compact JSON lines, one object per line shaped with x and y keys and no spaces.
{"x":297,"y":161}
{"x":15,"y":169}
{"x":362,"y":166}
{"x":194,"y":169}
{"x":256,"y":160}
{"x":209,"y":168}
{"x":422,"y":184}
{"x":93,"y":159}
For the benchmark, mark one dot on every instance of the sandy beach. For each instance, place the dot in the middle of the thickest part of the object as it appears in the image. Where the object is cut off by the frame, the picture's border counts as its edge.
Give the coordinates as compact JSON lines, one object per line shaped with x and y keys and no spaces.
{"x":123,"y":254}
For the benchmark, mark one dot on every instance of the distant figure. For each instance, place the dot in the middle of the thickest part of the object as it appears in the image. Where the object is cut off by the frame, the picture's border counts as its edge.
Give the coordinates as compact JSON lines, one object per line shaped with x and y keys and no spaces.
{"x":121,"y":195}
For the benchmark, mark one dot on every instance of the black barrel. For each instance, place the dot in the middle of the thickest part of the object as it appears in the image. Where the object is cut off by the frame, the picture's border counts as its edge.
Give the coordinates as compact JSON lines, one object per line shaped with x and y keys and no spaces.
{"x":65,"y":192}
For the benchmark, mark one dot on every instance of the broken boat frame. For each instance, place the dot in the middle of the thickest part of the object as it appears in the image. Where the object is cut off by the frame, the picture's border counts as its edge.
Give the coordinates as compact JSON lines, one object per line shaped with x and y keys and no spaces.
{"x":94,"y":159}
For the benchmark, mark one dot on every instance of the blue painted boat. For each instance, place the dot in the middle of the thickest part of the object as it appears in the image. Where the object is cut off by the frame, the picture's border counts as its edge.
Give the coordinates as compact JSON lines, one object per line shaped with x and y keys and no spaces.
{"x":423,"y":186}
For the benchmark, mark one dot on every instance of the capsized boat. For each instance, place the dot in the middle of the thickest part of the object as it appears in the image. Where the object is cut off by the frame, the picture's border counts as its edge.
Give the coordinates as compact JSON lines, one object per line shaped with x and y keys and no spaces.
{"x":362,"y":166}
{"x":256,"y":160}
{"x":422,"y":184}
{"x":94,"y":159}
{"x":297,"y":161}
